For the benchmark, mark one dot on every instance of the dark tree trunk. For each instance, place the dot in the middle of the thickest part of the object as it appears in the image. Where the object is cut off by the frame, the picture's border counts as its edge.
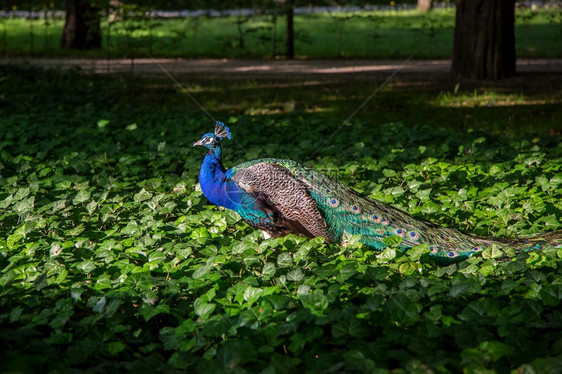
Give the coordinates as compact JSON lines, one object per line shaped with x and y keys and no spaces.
{"x":82,"y":28}
{"x":290,"y":30}
{"x":484,"y":46}
{"x":425,"y":5}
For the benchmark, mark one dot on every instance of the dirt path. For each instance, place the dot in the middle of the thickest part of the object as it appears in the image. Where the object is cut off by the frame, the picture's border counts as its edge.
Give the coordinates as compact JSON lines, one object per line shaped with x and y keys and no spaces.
{"x":534,"y":76}
{"x":272,"y":68}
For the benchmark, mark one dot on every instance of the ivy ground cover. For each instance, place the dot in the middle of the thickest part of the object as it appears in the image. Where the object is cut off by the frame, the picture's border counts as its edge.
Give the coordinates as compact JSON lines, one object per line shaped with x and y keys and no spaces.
{"x":111,"y":260}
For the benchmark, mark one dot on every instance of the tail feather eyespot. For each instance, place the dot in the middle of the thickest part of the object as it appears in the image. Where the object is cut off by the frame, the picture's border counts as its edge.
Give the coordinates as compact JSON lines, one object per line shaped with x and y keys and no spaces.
{"x":376,"y":218}
{"x":334,"y":203}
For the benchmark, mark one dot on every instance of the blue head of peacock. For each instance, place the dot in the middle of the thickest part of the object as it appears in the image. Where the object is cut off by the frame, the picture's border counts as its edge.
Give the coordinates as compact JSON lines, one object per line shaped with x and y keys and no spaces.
{"x":211,"y":140}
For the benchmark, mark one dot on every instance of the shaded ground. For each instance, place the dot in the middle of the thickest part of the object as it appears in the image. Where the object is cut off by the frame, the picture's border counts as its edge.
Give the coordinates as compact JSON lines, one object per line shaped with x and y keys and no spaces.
{"x":534,"y":75}
{"x":422,"y":91}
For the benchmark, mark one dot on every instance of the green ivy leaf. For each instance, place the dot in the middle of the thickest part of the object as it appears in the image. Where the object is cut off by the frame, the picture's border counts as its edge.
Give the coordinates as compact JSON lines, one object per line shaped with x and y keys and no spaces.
{"x":81,"y":197}
{"x":268,"y":270}
{"x":148,"y":311}
{"x":284,"y":260}
{"x":492,"y":251}
{"x":203,"y":308}
{"x":203,"y":269}
{"x":387,"y":255}
{"x":142,"y":195}
{"x":317,"y":303}
{"x":295,"y":275}
{"x":115,"y":348}
{"x":24,"y":206}
{"x":252,"y":294}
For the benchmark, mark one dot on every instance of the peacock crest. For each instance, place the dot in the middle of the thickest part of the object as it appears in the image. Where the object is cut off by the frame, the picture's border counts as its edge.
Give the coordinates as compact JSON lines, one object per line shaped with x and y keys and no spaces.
{"x":222,"y":131}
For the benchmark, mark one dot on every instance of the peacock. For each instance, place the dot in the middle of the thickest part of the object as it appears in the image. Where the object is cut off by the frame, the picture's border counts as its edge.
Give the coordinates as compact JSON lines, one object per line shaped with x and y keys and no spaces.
{"x":281,"y":197}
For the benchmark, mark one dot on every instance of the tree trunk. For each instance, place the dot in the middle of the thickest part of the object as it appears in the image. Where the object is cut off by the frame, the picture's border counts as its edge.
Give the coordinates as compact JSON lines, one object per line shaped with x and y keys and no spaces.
{"x":290,"y":30}
{"x":425,"y":5}
{"x":82,"y":28}
{"x":484,"y":45}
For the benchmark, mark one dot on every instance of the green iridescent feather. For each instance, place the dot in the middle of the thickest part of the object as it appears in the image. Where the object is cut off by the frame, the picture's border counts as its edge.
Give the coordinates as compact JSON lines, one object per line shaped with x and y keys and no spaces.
{"x":344,"y":210}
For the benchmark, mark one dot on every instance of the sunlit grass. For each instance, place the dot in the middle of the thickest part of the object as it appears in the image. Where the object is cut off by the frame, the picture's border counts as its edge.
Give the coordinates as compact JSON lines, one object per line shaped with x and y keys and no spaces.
{"x":374,"y":34}
{"x":478,"y":99}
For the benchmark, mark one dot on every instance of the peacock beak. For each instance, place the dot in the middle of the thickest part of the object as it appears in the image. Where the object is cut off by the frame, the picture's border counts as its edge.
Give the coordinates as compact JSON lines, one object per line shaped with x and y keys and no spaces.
{"x":199,"y":142}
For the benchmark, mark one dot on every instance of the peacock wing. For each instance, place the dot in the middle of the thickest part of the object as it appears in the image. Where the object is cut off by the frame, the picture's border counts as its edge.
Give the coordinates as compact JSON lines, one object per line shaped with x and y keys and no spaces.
{"x":345,"y":210}
{"x":277,"y":190}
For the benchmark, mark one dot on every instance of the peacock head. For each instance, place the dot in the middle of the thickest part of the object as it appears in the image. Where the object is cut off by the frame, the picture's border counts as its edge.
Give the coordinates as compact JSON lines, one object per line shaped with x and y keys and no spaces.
{"x":211,"y":140}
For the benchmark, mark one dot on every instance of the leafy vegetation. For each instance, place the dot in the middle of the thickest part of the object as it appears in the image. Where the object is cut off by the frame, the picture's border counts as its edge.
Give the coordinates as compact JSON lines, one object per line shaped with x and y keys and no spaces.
{"x":380,"y":34}
{"x":111,"y":259}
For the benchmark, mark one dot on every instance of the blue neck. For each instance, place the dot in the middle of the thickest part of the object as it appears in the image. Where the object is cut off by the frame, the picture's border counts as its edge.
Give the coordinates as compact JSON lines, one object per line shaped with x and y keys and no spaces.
{"x":214,"y":184}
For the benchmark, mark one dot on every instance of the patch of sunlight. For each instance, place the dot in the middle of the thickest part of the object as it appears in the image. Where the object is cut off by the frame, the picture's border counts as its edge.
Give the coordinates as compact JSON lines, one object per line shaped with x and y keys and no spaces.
{"x":262,"y":111}
{"x":488,"y":99}
{"x":196,"y":88}
{"x":317,"y":109}
{"x":284,"y":108}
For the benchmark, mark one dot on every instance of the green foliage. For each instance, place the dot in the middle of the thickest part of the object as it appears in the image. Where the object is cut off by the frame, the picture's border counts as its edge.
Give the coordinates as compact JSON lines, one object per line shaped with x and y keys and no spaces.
{"x":365,"y":34}
{"x":112,"y":260}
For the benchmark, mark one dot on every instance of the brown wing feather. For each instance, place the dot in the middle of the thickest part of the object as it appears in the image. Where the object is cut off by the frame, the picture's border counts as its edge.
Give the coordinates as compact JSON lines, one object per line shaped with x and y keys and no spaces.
{"x":282,"y":192}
